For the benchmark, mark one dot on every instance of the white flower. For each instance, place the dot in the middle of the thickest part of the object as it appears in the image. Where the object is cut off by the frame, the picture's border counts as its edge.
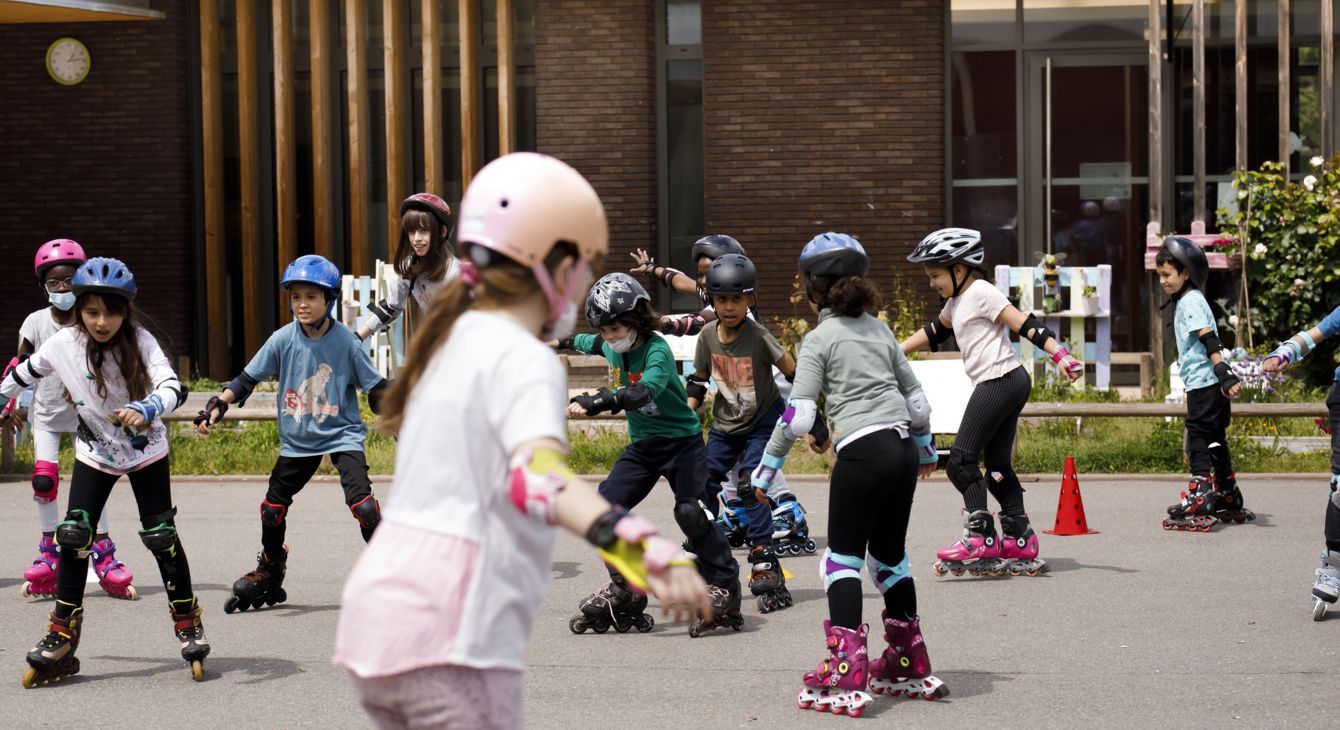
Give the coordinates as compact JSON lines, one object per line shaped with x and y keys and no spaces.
{"x":1309,"y":181}
{"x":1233,"y":319}
{"x":1260,"y":249}
{"x":1317,"y":161}
{"x":1242,"y":194}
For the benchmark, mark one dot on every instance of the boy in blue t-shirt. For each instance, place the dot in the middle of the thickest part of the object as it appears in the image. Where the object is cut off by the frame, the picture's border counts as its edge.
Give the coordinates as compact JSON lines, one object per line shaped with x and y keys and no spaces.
{"x":320,"y":363}
{"x":1210,"y":382}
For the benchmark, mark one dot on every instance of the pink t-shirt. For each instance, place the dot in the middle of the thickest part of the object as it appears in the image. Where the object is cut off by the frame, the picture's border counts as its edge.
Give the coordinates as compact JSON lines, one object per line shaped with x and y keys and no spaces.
{"x":985,"y":343}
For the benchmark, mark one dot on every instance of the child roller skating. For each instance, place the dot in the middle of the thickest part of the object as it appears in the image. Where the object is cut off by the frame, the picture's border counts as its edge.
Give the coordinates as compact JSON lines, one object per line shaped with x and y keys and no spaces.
{"x":1208,"y":499}
{"x":50,"y":415}
{"x":120,"y":384}
{"x":423,"y":261}
{"x":320,"y":365}
{"x":790,"y":529}
{"x":445,"y":596}
{"x":979,"y":316}
{"x":1326,"y":590}
{"x":613,"y":605}
{"x":881,"y":413}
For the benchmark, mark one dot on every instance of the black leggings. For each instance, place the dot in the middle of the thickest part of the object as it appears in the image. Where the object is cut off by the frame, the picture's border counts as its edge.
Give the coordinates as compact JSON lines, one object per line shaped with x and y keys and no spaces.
{"x":1332,"y":532}
{"x":1208,"y":415}
{"x":89,"y":490}
{"x":869,"y":504}
{"x":989,"y":425}
{"x":291,"y":474}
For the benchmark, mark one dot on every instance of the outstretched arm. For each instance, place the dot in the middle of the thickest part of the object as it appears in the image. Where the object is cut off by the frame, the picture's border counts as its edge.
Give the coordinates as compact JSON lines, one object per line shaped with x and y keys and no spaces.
{"x":1292,"y":350}
{"x":935,"y":333}
{"x":673,"y":278}
{"x":1041,"y":336}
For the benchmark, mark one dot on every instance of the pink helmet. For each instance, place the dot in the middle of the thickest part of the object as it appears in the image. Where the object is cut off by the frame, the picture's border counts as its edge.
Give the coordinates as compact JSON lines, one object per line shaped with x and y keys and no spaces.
{"x":59,"y":251}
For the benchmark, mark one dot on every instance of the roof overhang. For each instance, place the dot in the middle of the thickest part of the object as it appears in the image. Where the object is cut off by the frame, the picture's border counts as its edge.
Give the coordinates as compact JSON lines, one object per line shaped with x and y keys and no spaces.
{"x":75,"y":11}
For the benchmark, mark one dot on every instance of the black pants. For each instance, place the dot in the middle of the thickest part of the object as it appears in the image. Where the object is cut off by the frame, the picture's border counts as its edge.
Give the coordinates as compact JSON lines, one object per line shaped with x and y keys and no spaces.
{"x":291,"y":474}
{"x":89,"y":490}
{"x":682,"y":461}
{"x":989,"y":425}
{"x":1332,"y":532}
{"x":1208,"y":412}
{"x":869,"y":504}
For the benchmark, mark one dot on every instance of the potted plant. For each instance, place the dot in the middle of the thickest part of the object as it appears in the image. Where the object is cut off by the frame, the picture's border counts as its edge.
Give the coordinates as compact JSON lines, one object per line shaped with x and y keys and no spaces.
{"x":1090,"y":300}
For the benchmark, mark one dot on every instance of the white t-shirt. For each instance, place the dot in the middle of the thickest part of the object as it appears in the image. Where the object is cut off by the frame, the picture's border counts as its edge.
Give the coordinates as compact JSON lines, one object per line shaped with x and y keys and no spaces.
{"x":492,"y":387}
{"x":101,"y":441}
{"x":421,"y":289}
{"x":49,"y":410}
{"x":985,"y":343}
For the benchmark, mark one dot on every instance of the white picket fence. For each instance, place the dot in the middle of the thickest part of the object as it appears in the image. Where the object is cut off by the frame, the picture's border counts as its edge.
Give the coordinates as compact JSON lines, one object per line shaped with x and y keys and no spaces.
{"x":387,"y":347}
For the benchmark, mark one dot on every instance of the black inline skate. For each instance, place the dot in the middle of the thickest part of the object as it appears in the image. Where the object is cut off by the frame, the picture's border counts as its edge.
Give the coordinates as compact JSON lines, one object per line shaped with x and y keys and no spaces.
{"x":191,"y":633}
{"x":613,"y":605}
{"x":766,"y":580}
{"x":790,"y":530}
{"x":1228,"y":504}
{"x":264,"y":585}
{"x":1196,"y":510}
{"x":53,"y":658}
{"x":725,"y":609}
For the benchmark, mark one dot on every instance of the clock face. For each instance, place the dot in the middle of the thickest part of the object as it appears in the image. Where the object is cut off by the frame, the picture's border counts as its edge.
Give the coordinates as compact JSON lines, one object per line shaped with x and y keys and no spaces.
{"x":68,"y":61}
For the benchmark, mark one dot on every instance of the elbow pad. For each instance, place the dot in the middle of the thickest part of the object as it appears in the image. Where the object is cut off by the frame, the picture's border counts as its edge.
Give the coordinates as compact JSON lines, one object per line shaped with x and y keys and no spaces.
{"x":918,"y":409}
{"x":376,"y":394}
{"x":937,"y":333}
{"x":1040,"y":332}
{"x":241,"y":387}
{"x":24,"y":376}
{"x":384,"y":311}
{"x":1211,"y":341}
{"x":696,"y":387}
{"x":634,"y":397}
{"x":798,"y":418}
{"x":537,"y":478}
{"x":690,"y":325}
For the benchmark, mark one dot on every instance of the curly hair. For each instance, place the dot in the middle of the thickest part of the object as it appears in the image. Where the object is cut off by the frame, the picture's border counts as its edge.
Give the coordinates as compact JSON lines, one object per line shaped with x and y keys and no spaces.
{"x":848,"y":296}
{"x":642,"y":319}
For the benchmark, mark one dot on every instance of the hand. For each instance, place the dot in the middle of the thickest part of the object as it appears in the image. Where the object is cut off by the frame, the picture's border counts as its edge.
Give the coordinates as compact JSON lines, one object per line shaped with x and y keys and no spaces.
{"x":1273,"y":364}
{"x":130,"y":417}
{"x":203,"y":427}
{"x":13,"y":421}
{"x":1073,"y":374}
{"x":815,"y":446}
{"x":1233,"y":391}
{"x":645,"y":263}
{"x":926,"y":470}
{"x":681,"y":588}
{"x":576,"y":411}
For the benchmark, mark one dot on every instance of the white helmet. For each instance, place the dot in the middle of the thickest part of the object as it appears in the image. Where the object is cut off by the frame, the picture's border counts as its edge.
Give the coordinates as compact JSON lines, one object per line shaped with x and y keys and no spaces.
{"x":949,"y":246}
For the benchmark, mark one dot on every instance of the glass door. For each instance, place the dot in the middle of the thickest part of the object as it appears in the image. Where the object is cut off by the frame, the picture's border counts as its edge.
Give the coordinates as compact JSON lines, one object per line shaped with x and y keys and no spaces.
{"x":1086,"y":151}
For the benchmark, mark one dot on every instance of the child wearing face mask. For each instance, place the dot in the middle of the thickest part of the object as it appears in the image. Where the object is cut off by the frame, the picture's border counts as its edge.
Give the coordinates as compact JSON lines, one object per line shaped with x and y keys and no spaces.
{"x":423,"y":260}
{"x":51,"y":414}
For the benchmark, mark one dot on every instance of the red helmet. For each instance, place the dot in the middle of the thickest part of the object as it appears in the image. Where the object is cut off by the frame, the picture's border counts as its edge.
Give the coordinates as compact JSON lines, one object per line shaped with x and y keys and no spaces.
{"x":59,"y":251}
{"x":430,"y":203}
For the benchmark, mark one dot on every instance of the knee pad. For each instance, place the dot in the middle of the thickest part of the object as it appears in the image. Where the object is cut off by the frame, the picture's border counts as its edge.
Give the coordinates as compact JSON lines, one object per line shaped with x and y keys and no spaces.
{"x":76,"y":531}
{"x":272,"y":515}
{"x":160,"y":531}
{"x":692,"y":519}
{"x":46,"y":481}
{"x":367,"y":512}
{"x":836,"y":566}
{"x":962,"y":474}
{"x":887,"y":576}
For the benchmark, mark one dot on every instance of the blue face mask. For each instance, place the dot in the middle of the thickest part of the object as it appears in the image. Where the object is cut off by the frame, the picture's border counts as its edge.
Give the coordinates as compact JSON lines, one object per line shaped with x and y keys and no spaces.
{"x":62,"y":300}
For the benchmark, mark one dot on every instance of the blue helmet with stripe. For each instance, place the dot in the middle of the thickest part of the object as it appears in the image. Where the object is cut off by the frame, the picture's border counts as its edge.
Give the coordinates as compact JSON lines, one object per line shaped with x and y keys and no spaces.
{"x":317,"y":271}
{"x":104,"y":276}
{"x":833,"y":254}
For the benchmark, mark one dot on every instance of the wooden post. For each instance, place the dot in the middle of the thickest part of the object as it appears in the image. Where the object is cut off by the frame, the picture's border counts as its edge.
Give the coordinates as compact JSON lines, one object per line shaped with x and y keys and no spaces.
{"x":506,"y":79}
{"x":1327,"y":80}
{"x":360,"y":189}
{"x":1240,"y":46}
{"x":470,"y":132}
{"x":1198,"y":106}
{"x":323,"y":226}
{"x":286,"y":154}
{"x":393,"y":65}
{"x":216,"y":260}
{"x":7,"y":438}
{"x":1284,"y":58}
{"x":248,"y":78}
{"x":1155,"y":113}
{"x":434,"y":174}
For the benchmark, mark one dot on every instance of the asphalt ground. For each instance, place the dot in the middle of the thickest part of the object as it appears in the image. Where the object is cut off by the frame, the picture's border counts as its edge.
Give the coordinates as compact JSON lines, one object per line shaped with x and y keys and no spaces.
{"x":1134,"y":627}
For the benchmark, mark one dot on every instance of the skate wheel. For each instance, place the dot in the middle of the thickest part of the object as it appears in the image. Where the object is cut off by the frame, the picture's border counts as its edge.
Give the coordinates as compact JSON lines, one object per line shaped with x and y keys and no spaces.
{"x":575,"y":625}
{"x":645,"y":623}
{"x":801,"y":702}
{"x":1033,"y":573}
{"x":600,"y":629}
{"x":696,"y":629}
{"x":810,"y":546}
{"x":856,"y":711}
{"x":133,"y":595}
{"x":622,"y":628}
{"x":1167,"y":524}
{"x":281,"y":595}
{"x":939,"y":569}
{"x":764,"y":605}
{"x":198,"y":670}
{"x":258,"y":603}
{"x":230,"y":605}
{"x":26,"y":585}
{"x":269,"y":600}
{"x":957,"y":572}
{"x":1207,"y":528}
{"x":738,"y":623}
{"x":1318,"y":609}
{"x":28,"y":676}
{"x":838,"y":709}
{"x":795,"y":549}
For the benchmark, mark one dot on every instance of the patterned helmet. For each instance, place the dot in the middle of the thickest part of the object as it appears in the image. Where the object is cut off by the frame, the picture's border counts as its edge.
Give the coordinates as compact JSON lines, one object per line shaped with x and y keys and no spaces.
{"x":949,"y":246}
{"x":613,"y":295}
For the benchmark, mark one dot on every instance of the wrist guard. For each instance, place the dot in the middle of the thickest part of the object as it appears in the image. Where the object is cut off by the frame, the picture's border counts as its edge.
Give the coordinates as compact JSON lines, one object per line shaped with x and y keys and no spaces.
{"x":210,"y":405}
{"x":766,"y":471}
{"x":926,"y":452}
{"x":696,"y":387}
{"x":1065,"y":362}
{"x":819,"y":431}
{"x":150,"y":408}
{"x":667,"y":276}
{"x":1226,"y":377}
{"x":628,"y":544}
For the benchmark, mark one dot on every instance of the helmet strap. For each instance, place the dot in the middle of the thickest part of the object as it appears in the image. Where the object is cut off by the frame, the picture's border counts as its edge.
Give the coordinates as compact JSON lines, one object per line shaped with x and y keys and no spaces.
{"x":557,"y":301}
{"x":1177,"y":294}
{"x":958,"y":285}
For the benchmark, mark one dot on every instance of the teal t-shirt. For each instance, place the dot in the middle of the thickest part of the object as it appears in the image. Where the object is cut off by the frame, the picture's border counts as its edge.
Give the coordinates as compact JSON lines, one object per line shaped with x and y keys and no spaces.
{"x":668,"y":414}
{"x":1193,"y":315}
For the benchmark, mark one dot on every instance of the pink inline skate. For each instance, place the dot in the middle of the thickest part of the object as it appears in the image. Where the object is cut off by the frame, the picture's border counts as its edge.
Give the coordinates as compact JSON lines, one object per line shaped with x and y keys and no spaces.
{"x":837,"y":684}
{"x":41,"y":577}
{"x":1019,"y":547}
{"x":905,"y":667}
{"x":977,"y":552}
{"x":114,"y":577}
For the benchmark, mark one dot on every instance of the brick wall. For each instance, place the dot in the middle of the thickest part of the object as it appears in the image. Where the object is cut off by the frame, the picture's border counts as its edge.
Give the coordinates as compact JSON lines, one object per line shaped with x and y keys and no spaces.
{"x":595,"y":101}
{"x":106,"y":162}
{"x":824,"y":116}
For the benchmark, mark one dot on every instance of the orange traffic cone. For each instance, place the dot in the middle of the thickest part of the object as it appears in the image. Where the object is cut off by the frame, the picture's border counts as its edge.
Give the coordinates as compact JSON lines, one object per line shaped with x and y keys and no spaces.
{"x":1070,"y":508}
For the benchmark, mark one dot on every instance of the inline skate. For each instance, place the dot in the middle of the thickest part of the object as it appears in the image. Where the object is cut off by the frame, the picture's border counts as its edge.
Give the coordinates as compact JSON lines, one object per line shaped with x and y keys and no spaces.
{"x":113,"y":576}
{"x":53,"y":658}
{"x":766,"y":579}
{"x":733,"y":522}
{"x":977,"y":552}
{"x":790,"y":531}
{"x":1327,"y":588}
{"x":264,"y":585}
{"x":191,"y":633}
{"x":1196,"y":510}
{"x":1228,"y":502}
{"x":613,"y":605}
{"x":1019,"y":547}
{"x":40,"y":578}
{"x":837,"y":684}
{"x":905,"y":666}
{"x":725,"y":610}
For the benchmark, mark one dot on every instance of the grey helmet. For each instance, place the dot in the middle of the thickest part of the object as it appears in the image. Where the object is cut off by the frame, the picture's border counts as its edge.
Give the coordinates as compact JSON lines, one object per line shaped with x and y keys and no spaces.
{"x":714,"y":247}
{"x":1192,"y":258}
{"x":732,"y":274}
{"x":613,"y":295}
{"x":949,"y":246}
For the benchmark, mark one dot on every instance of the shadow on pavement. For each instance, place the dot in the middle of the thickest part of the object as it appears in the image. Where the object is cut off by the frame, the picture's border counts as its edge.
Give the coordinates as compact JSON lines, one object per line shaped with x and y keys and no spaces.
{"x":564,"y":570}
{"x":155,"y":589}
{"x":1063,"y":565}
{"x":8,"y":582}
{"x":259,"y":669}
{"x":963,"y":685}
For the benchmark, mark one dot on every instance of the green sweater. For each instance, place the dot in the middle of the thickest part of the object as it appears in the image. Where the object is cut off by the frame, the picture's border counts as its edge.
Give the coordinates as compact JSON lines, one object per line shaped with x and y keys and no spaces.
{"x":652,"y":364}
{"x":861,"y":370}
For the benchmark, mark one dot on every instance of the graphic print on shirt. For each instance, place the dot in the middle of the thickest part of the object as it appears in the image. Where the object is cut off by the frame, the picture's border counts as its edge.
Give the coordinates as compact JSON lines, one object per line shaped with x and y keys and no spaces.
{"x":91,"y":432}
{"x":311,"y":399}
{"x":734,"y":377}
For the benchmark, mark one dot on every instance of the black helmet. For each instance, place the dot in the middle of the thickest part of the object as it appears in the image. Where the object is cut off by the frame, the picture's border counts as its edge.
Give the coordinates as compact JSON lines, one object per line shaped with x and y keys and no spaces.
{"x":833,"y":254}
{"x":949,"y":246}
{"x":613,"y":295}
{"x":1192,"y":258}
{"x":714,"y":247}
{"x":732,"y":274}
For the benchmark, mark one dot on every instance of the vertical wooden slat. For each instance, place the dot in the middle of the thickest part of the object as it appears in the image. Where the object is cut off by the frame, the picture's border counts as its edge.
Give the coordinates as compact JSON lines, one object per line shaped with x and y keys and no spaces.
{"x":506,"y":79}
{"x":1284,"y":57}
{"x":216,"y":258}
{"x":393,"y":70}
{"x":1327,"y":80}
{"x":1155,"y":112}
{"x":1240,"y":45}
{"x":323,"y":227}
{"x":1198,"y":106}
{"x":470,"y":132}
{"x":434,"y":175}
{"x":360,"y":188}
{"x":248,"y":93}
{"x":286,"y":155}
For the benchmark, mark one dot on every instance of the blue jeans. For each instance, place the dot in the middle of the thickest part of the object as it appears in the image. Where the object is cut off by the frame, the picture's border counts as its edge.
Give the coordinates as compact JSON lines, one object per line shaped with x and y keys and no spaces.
{"x":723,"y":450}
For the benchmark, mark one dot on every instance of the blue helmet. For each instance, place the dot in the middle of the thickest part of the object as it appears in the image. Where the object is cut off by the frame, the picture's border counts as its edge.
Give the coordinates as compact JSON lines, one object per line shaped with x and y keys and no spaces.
{"x":104,"y":276}
{"x":317,"y":271}
{"x":833,"y":254}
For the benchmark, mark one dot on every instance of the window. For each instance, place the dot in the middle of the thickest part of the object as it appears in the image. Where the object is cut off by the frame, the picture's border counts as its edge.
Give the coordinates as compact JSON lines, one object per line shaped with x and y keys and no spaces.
{"x":680,"y":134}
